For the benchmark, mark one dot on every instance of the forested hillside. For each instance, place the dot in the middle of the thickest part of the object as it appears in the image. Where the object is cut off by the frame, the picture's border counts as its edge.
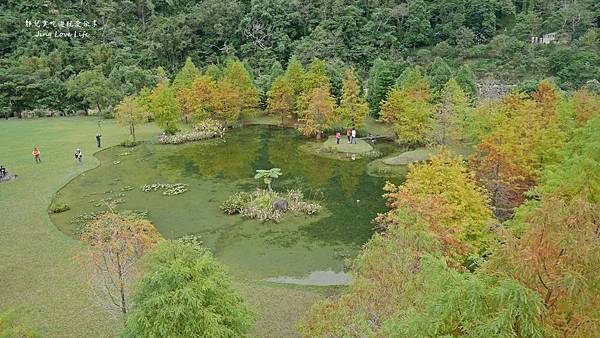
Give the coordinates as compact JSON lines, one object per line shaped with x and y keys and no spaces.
{"x":128,"y":40}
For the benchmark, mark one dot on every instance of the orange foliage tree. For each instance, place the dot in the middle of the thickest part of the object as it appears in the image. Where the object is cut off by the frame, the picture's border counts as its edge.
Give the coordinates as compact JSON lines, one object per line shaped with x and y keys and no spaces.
{"x":320,"y":112}
{"x":555,"y":249}
{"x":525,"y":136}
{"x":586,"y":105}
{"x":196,"y":100}
{"x":116,"y":245}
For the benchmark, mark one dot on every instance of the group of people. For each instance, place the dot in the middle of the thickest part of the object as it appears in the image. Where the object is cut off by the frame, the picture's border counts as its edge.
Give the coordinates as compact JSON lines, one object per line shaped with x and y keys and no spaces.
{"x":38,"y":159}
{"x":350,"y":133}
{"x":78,"y":154}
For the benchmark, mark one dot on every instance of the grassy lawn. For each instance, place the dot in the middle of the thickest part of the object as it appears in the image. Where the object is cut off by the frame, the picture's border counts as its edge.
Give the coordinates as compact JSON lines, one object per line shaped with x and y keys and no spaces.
{"x":281,"y":306}
{"x":343,"y":151}
{"x":396,"y":165}
{"x":424,"y":154}
{"x":360,"y":147}
{"x":37,"y":273}
{"x":260,"y":118}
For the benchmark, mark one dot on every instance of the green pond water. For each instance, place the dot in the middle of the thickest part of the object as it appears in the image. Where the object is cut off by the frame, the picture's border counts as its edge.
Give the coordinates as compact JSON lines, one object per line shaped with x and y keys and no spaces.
{"x":299,"y":249}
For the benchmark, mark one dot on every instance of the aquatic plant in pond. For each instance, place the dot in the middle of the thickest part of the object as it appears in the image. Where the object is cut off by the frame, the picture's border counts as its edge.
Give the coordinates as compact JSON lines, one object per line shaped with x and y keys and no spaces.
{"x":168,"y":189}
{"x":268,"y":176}
{"x":58,"y":207}
{"x":269,"y":205}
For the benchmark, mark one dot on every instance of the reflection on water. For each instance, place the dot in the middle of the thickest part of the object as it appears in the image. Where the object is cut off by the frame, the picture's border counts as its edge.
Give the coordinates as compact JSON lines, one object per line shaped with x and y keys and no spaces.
{"x":319,"y":278}
{"x":295,"y":247}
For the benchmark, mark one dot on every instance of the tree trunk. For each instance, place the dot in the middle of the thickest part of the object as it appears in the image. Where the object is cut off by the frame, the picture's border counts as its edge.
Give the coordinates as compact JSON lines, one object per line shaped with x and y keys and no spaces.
{"x":496,"y":177}
{"x":443,"y":134}
{"x":318,"y":135}
{"x":121,"y":285}
{"x":142,"y":16}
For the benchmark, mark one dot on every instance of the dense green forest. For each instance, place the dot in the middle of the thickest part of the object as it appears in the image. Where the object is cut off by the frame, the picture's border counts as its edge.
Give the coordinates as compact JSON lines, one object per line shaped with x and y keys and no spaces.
{"x":128,"y":40}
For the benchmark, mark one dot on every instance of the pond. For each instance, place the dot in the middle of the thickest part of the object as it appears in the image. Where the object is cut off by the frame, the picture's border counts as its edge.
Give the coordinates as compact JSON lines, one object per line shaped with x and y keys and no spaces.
{"x":298,"y":249}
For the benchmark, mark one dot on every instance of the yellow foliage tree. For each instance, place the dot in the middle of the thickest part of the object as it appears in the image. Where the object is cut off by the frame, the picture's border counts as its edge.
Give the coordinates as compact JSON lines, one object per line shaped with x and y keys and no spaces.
{"x":409,"y":111}
{"x":197,"y":99}
{"x":281,"y":98}
{"x":319,"y":114}
{"x":445,"y":194}
{"x":226,"y":101}
{"x":130,"y":113}
{"x":240,"y":80}
{"x":586,"y":105}
{"x":353,"y":107}
{"x":451,"y":114}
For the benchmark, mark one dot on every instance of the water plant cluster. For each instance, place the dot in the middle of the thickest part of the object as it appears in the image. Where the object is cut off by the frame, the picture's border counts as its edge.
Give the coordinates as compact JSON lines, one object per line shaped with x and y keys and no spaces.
{"x":118,"y":198}
{"x":58,"y":207}
{"x":168,"y":189}
{"x":261,"y":204}
{"x":206,"y":129}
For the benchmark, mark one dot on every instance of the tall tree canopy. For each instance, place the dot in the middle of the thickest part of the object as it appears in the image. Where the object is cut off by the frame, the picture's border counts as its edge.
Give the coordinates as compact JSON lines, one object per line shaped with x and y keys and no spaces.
{"x":353,"y":107}
{"x":185,"y":292}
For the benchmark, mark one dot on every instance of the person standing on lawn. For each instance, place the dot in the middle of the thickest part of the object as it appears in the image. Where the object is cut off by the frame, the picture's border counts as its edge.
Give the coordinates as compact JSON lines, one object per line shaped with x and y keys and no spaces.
{"x":79,"y":156}
{"x":36,"y":155}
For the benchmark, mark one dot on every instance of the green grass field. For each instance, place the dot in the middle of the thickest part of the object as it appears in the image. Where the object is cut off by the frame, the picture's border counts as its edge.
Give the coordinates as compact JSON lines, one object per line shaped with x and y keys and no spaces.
{"x":37,"y":273}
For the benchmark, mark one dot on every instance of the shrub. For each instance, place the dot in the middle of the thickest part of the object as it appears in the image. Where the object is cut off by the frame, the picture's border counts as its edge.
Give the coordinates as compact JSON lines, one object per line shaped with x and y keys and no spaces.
{"x":259,"y":205}
{"x":185,"y":292}
{"x":308,"y":208}
{"x":204,"y":130}
{"x":211,"y":126}
{"x":11,"y":325}
{"x":58,"y":207}
{"x":254,"y":210}
{"x":192,"y":240}
{"x":128,"y":144}
{"x":171,"y":129}
{"x":235,"y":203}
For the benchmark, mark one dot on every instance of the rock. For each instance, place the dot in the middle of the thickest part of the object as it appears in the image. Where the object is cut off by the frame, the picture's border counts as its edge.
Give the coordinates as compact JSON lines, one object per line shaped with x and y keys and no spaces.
{"x":280,"y":205}
{"x":8,"y":177}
